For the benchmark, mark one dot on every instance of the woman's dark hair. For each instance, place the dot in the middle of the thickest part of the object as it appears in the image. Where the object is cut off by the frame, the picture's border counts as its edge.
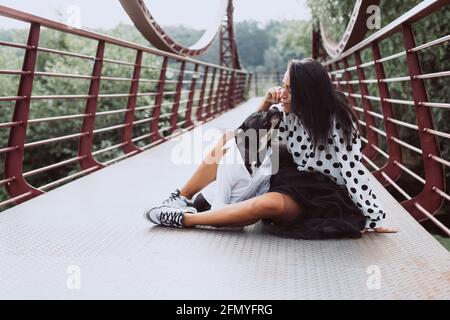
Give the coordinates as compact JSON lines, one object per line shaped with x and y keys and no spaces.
{"x":315,"y":101}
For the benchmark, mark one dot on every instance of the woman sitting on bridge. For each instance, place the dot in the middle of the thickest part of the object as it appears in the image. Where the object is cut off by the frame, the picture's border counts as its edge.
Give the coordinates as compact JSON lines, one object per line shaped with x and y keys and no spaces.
{"x":325,"y":192}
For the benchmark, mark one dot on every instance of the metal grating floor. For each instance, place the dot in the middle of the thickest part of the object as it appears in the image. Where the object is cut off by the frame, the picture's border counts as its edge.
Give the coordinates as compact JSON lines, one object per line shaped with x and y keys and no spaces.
{"x":96,"y":224}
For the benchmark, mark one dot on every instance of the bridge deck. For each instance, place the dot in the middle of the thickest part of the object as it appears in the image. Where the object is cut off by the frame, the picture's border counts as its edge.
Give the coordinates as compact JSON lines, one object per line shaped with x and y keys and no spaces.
{"x":96,"y":223}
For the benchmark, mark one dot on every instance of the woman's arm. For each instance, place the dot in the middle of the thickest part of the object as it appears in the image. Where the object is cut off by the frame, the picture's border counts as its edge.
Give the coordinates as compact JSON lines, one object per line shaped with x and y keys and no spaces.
{"x":272,"y":96}
{"x":357,"y":180}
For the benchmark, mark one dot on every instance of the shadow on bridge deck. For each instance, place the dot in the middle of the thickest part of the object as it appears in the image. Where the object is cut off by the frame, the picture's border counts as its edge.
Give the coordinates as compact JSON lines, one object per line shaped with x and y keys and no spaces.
{"x":94,"y":228}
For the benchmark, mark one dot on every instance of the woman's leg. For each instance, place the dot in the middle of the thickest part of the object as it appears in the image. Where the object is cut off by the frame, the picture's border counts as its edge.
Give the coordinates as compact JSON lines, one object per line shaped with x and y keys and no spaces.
{"x":272,"y":205}
{"x":207,"y":171}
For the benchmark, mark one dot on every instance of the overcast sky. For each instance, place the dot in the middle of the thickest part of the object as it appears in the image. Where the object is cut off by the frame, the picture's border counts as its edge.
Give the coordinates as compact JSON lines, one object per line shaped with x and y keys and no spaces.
{"x":108,"y":13}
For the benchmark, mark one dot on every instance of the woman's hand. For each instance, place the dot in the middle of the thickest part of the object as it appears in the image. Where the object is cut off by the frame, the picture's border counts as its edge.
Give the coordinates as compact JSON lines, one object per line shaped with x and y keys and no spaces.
{"x":273,"y":95}
{"x":382,"y":230}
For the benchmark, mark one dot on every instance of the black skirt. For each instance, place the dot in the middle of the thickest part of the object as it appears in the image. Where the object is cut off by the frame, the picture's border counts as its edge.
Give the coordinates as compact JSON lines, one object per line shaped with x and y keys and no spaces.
{"x":327,"y":210}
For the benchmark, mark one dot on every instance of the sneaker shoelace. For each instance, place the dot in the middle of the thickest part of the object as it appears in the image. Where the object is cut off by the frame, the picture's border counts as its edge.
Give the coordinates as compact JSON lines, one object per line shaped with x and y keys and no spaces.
{"x":173,"y":197}
{"x":172,"y":218}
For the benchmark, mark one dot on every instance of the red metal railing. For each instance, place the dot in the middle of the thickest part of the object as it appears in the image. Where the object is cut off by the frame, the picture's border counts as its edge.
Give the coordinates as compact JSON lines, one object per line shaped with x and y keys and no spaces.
{"x":351,"y":79}
{"x":202,"y":92}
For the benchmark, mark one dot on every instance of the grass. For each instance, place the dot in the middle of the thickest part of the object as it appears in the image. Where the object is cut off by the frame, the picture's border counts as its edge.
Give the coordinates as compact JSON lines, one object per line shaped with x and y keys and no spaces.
{"x":443,"y":240}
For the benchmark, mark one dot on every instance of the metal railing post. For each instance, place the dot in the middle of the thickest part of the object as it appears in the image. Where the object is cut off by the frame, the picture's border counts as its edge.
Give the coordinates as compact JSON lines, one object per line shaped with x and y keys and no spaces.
{"x":202,"y":95}
{"x":18,"y":188}
{"x":211,"y":93}
{"x":85,"y":143}
{"x":218,"y":93}
{"x":127,"y":133}
{"x":176,"y":101}
{"x":154,"y":124}
{"x":188,"y":119}
{"x":434,"y":171}
{"x":372,"y":137}
{"x":394,"y":150}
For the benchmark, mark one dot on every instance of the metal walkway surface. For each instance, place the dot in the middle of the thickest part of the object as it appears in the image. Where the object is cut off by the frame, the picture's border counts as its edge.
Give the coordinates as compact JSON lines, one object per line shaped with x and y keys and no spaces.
{"x":93,"y":229}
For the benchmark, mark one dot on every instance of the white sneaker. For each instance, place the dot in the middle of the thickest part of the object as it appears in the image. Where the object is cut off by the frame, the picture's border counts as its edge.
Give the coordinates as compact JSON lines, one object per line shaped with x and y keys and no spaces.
{"x":168,"y":216}
{"x":175,"y":200}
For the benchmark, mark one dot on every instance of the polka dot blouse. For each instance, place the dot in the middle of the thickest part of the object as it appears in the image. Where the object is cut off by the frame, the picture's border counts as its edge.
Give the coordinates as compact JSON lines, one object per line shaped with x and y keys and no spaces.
{"x":341,"y":162}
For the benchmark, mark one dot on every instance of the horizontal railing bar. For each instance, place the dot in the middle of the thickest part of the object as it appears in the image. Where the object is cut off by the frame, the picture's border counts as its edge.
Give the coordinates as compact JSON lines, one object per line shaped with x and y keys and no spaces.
{"x":433,"y":75}
{"x":143,"y":120}
{"x":144,"y":108}
{"x":68,"y":178}
{"x":372,"y":98}
{"x":394,"y":56}
{"x":62,"y":75}
{"x":12,"y":98}
{"x":376,"y":114}
{"x":435,"y":104}
{"x":396,"y":186}
{"x":397,"y":101}
{"x":15,"y":45}
{"x":362,"y":122}
{"x":166,"y":115}
{"x":412,"y":174}
{"x":378,"y":131}
{"x":404,"y":124}
{"x":117,"y":79}
{"x":124,"y":156}
{"x":346,"y":82}
{"x":380,"y":151}
{"x":147,"y":135}
{"x":56,"y":97}
{"x":14,"y":72}
{"x":367,"y":64}
{"x":6,"y":181}
{"x":407,"y":145}
{"x":437,"y":133}
{"x":125,"y":63}
{"x":439,"y":159}
{"x":148,"y":94}
{"x":74,"y":116}
{"x":123,"y":125}
{"x":114,"y":95}
{"x":433,"y":218}
{"x":370,"y":162}
{"x":152,"y":144}
{"x":38,"y":143}
{"x":8,"y":149}
{"x":396,"y":79}
{"x":143,"y":66}
{"x":430,"y":44}
{"x":66,"y":53}
{"x":53,"y":166}
{"x":152,"y":80}
{"x":10,"y":124}
{"x":13,"y":200}
{"x":109,"y":148}
{"x":441,"y":193}
{"x":104,"y":113}
{"x":369,"y":81}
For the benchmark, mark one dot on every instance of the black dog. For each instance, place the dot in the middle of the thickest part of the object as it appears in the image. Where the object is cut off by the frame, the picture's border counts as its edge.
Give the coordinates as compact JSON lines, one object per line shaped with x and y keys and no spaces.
{"x":252,"y":141}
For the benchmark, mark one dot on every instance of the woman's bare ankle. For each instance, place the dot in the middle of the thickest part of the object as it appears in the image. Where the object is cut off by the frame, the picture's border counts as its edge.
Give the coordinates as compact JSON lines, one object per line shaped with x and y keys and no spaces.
{"x":187,"y":221}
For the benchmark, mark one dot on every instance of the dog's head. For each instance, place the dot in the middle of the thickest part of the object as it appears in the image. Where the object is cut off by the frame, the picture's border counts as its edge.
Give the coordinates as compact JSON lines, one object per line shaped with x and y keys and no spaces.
{"x":254,"y":135}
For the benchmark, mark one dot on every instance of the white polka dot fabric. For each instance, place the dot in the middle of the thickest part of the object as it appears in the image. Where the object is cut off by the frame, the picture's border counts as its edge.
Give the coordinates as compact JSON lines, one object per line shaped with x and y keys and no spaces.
{"x":338,"y":160}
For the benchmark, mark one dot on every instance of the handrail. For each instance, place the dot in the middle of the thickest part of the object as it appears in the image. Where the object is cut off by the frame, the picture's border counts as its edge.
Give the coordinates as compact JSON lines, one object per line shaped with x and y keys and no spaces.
{"x":26,"y":17}
{"x":433,"y":194}
{"x":142,"y":124}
